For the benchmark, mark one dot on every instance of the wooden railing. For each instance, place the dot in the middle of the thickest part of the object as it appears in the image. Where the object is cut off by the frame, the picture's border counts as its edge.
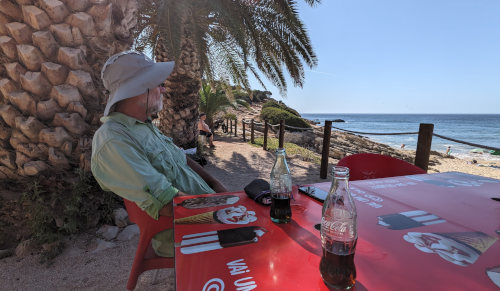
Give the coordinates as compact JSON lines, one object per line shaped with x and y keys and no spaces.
{"x":422,"y":154}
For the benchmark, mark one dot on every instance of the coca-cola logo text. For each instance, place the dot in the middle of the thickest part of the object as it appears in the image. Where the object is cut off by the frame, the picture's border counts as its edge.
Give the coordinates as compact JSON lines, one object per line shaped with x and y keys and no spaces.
{"x":336,"y":226}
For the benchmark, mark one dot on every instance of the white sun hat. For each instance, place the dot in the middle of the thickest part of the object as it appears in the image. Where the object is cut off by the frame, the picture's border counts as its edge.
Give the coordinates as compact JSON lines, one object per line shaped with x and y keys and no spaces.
{"x":130,"y":73}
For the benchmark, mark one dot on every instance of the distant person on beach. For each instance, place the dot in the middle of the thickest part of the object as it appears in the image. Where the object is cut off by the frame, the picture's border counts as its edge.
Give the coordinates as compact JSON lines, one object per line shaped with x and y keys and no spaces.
{"x":205,"y":129}
{"x":130,"y":156}
{"x":448,"y":151}
{"x":402,"y":146}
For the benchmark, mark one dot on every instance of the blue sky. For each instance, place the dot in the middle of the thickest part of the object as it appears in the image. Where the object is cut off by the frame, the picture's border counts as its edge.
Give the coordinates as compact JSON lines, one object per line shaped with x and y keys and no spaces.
{"x":400,"y":56}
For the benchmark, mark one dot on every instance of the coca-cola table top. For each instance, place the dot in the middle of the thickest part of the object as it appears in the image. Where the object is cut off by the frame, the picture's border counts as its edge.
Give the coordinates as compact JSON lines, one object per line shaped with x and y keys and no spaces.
{"x":419,"y":232}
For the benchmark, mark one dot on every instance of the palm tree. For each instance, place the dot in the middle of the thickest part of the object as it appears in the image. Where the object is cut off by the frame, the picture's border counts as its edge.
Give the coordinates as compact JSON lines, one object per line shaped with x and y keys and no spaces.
{"x":215,"y":100}
{"x":51,"y":54}
{"x":222,"y":40}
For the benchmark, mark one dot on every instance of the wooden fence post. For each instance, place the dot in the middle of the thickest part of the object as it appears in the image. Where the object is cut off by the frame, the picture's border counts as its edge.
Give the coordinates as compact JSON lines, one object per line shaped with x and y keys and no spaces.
{"x":265,"y":135}
{"x":235,"y":126}
{"x":231,"y":126}
{"x":243,"y":124}
{"x":326,"y":149}
{"x":424,"y":145}
{"x":252,"y":135}
{"x":282,"y":134}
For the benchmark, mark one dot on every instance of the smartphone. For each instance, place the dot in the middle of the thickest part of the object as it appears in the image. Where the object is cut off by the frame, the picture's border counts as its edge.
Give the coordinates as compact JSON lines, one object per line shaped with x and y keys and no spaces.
{"x":314,"y":192}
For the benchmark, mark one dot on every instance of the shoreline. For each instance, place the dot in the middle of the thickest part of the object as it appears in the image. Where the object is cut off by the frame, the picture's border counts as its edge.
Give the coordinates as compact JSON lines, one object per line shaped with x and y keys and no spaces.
{"x":477,"y":134}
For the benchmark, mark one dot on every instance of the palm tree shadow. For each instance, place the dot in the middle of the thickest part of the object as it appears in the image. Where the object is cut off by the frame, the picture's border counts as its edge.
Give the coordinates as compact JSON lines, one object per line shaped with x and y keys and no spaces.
{"x":239,"y":171}
{"x":303,"y":237}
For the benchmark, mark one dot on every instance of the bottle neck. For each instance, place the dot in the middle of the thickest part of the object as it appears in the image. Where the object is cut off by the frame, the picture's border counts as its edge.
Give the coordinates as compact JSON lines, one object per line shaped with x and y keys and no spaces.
{"x":340,"y":182}
{"x":280,"y":159}
{"x":340,"y":179}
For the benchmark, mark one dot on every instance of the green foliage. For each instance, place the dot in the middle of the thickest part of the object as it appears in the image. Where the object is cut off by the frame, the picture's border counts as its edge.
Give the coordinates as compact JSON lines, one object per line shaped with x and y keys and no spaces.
{"x":213,"y":101}
{"x":65,"y":204}
{"x":280,"y":105}
{"x":291,"y":149}
{"x":232,"y":38}
{"x":274,"y":115}
{"x":257,"y":95}
{"x":230,"y":116}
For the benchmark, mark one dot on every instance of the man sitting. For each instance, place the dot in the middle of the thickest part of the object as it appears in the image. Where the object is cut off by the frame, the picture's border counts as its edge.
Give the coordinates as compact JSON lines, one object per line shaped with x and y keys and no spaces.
{"x":130,"y":156}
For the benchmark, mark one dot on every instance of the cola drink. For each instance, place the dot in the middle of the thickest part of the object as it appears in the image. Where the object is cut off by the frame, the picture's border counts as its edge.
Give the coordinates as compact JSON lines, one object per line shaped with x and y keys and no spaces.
{"x":338,"y":271}
{"x":281,"y":189}
{"x":339,"y":233}
{"x":280,"y":208}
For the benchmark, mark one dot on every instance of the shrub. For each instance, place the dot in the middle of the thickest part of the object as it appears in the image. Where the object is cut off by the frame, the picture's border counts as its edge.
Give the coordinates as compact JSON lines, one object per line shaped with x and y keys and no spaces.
{"x":280,"y":105}
{"x":274,"y":115}
{"x":305,"y":139}
{"x":230,"y":116}
{"x":64,"y":204}
{"x":292,"y":150}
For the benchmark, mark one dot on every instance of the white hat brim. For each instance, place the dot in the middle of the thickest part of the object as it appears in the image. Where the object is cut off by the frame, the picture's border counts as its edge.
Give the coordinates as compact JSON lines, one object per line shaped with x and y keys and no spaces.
{"x":149,"y":78}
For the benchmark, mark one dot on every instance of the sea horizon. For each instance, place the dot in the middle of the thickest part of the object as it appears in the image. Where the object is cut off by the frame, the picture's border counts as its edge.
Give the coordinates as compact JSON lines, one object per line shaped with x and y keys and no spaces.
{"x":481,"y":128}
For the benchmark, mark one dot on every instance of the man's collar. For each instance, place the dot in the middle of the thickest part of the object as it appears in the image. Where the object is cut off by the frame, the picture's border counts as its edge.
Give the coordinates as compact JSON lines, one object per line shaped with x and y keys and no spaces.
{"x":121,"y":118}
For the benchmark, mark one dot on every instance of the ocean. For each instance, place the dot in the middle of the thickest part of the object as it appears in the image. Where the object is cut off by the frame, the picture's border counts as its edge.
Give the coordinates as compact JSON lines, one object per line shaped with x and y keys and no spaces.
{"x":481,"y":129}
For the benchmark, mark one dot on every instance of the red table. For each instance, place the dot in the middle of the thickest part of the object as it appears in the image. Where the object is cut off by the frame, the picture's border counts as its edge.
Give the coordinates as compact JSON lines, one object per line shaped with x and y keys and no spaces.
{"x":419,"y":232}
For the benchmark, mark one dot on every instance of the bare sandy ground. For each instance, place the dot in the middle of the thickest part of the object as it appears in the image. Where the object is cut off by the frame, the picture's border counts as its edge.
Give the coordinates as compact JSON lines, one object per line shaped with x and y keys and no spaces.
{"x":232,"y":161}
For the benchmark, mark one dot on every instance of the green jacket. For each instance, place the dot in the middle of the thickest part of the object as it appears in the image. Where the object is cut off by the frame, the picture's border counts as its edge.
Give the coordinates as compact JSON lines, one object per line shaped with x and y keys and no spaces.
{"x":136,"y":161}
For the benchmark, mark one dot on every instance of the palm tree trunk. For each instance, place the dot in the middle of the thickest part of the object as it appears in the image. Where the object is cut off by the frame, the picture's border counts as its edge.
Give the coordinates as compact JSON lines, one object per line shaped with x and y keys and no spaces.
{"x":51,"y":98}
{"x":180,"y":114}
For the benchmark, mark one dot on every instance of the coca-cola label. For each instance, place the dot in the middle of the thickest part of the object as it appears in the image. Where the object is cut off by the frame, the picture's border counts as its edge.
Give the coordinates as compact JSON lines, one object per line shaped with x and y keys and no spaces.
{"x":335,"y":226}
{"x":339,"y":230}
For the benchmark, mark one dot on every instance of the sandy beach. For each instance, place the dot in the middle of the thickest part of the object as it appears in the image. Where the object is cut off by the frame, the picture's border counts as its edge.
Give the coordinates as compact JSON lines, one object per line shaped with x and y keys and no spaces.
{"x":81,"y":267}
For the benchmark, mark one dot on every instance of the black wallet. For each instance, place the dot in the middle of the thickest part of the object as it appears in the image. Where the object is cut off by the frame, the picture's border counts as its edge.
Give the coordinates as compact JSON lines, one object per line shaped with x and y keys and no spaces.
{"x":259,"y":190}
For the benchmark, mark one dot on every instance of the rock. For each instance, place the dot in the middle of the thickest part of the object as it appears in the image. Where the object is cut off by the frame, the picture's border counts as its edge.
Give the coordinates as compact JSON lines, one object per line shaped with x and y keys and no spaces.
{"x":121,"y":217}
{"x":338,"y":120}
{"x":24,"y":248}
{"x":128,"y":232}
{"x":103,"y":245}
{"x":6,"y":253}
{"x":108,"y":232}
